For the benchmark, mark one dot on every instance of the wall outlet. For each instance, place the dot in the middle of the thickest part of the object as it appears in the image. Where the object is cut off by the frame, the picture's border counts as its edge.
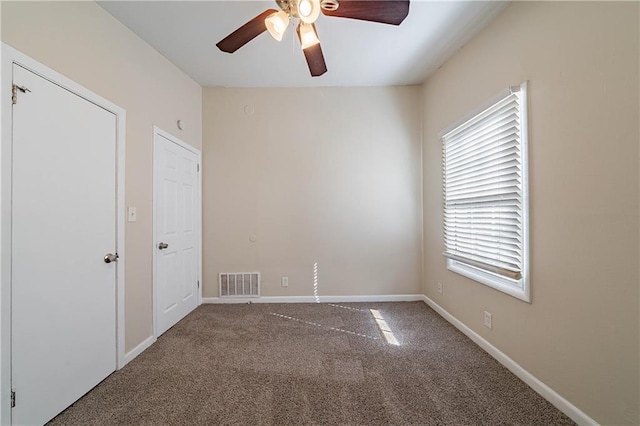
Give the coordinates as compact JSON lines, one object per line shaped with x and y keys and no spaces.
{"x":488,"y":321}
{"x":440,"y":288}
{"x":132,"y":214}
{"x":284,"y":281}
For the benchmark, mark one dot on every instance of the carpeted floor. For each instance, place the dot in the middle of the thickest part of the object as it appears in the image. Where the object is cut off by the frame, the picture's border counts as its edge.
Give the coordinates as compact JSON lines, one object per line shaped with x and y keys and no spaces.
{"x":301,"y":364}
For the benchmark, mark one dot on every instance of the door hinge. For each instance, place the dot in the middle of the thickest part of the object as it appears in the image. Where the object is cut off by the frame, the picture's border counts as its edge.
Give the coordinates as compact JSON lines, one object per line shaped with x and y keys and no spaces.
{"x":13,"y":399}
{"x":198,"y":284}
{"x":198,"y":166}
{"x":14,"y":92}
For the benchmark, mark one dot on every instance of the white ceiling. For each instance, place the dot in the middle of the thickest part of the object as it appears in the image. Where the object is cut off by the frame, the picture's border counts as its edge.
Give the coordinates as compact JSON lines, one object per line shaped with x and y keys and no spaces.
{"x":357,"y":53}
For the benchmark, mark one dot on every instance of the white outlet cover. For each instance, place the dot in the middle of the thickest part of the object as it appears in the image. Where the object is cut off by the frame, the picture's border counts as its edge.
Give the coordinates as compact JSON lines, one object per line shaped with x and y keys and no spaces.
{"x":132,"y":214}
{"x":488,"y":321}
{"x":285,"y":281}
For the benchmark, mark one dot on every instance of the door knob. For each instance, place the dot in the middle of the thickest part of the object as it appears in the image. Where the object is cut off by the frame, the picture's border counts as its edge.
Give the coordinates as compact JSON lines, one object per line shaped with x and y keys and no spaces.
{"x":163,"y":246}
{"x":108,"y":258}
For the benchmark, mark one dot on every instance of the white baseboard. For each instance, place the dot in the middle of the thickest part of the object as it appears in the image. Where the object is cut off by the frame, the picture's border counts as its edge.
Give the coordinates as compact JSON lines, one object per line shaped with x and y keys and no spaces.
{"x":312,"y":299}
{"x":129,"y":356}
{"x":545,"y":391}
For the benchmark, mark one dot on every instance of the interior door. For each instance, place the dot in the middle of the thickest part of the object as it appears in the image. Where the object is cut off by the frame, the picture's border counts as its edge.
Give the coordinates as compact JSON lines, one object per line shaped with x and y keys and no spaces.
{"x":63,"y":306}
{"x":176,"y":201}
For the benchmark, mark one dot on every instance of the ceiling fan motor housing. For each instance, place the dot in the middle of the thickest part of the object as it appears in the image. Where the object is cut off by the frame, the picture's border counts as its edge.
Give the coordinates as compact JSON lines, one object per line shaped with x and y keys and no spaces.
{"x":291,"y":6}
{"x":287,"y":5}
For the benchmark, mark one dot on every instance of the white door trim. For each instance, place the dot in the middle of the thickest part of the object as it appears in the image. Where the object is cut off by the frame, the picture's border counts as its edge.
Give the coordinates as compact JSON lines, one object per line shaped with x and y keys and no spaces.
{"x":158,"y":132}
{"x":9,"y":57}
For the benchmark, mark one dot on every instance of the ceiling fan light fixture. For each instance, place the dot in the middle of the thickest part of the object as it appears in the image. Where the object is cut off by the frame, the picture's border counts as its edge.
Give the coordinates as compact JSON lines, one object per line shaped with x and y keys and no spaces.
{"x":277,"y":24}
{"x":308,"y":10}
{"x":308,"y":35}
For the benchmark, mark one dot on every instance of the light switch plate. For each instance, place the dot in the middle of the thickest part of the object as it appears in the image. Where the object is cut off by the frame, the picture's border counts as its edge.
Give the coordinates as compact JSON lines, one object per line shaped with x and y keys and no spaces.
{"x":132,"y":214}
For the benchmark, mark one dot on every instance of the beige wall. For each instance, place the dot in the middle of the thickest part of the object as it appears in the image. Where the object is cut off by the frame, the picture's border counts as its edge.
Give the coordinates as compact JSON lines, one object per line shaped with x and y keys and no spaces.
{"x":326,"y":175}
{"x":334,"y":176}
{"x":580,"y":334}
{"x":86,"y":44}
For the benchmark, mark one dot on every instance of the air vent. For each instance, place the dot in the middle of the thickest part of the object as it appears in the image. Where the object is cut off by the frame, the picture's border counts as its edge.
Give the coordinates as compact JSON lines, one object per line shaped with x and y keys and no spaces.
{"x":239,"y":284}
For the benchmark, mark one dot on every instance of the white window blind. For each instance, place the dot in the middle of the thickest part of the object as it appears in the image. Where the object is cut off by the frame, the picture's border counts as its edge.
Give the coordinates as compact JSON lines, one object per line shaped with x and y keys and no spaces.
{"x":484,"y":165}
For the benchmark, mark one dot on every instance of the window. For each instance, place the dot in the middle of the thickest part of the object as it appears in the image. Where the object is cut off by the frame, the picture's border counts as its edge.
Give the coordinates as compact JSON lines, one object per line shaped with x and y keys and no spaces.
{"x":485,"y":195}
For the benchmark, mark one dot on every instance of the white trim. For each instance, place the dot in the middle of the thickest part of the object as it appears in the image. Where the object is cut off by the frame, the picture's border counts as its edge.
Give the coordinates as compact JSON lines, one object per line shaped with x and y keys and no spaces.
{"x":5,"y":237}
{"x":524,"y":138}
{"x":9,"y":57}
{"x":168,"y":136}
{"x":139,"y":349}
{"x":158,"y":131}
{"x":199,"y":224}
{"x":120,"y":242}
{"x":312,"y":299}
{"x":545,"y":391}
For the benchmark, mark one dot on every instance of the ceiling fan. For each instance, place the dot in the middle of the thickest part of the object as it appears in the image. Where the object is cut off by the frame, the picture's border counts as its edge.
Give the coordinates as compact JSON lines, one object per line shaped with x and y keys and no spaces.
{"x":276,"y":22}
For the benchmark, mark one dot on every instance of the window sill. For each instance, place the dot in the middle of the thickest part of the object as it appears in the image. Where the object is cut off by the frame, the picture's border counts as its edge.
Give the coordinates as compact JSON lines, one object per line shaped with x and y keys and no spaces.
{"x":518,"y":289}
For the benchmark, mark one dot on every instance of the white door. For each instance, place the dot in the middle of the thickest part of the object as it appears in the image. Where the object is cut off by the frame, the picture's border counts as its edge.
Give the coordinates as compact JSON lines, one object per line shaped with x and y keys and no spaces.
{"x":176,"y":226}
{"x":63,"y":307}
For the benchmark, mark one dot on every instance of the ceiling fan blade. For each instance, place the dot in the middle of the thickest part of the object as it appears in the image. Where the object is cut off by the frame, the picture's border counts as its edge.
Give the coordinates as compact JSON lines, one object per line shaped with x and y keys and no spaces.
{"x":245,"y":33}
{"x":384,"y":11}
{"x":315,"y":60}
{"x":313,"y":55}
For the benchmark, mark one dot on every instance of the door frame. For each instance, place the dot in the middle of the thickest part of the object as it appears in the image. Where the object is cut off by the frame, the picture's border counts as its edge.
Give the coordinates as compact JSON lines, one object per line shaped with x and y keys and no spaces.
{"x":159,"y":133}
{"x":12,"y":56}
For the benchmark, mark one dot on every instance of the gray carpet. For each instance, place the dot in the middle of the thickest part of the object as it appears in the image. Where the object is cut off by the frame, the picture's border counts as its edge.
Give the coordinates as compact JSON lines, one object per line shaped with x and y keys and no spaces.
{"x":301,"y":364}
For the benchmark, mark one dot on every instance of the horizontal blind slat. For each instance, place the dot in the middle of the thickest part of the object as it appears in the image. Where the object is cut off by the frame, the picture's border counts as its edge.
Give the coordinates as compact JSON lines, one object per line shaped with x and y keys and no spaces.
{"x":470,"y":195}
{"x":501,"y":256}
{"x":453,"y":223}
{"x":490,"y":216}
{"x":509,"y":237}
{"x":495,"y":229}
{"x":510,"y":161}
{"x":504,"y":130}
{"x":478,"y":176}
{"x":497,"y":155}
{"x":506,"y":247}
{"x":507,"y":128}
{"x":487,"y":199}
{"x":473,"y":187}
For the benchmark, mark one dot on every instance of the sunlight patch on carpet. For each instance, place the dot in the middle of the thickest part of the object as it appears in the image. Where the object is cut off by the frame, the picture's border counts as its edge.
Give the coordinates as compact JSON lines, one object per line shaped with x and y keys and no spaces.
{"x":315,"y":324}
{"x":384,"y":328}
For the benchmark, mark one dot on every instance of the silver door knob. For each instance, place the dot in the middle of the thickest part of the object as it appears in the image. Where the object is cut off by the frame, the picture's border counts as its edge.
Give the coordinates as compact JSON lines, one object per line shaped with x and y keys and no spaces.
{"x":163,"y":246}
{"x":108,"y":258}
